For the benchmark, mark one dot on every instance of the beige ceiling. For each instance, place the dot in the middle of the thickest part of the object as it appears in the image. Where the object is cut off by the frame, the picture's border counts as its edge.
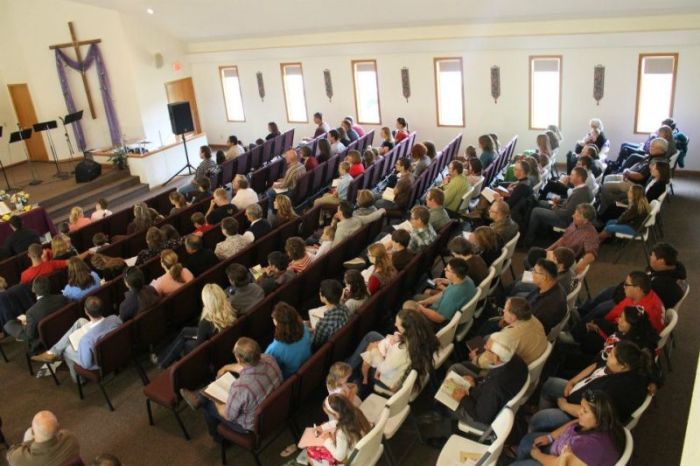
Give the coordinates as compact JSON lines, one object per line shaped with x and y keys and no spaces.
{"x":204,"y":20}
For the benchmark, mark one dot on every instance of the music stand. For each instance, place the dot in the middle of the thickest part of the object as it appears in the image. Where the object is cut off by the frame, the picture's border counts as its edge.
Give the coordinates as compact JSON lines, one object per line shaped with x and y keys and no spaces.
{"x":23,"y":135}
{"x":9,"y":189}
{"x":188,"y":165}
{"x":48,"y":126}
{"x":67,"y":120}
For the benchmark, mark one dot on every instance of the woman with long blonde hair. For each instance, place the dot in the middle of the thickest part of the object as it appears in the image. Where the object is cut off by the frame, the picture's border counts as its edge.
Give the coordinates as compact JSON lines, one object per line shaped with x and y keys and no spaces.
{"x":61,"y":247}
{"x":217,"y":316}
{"x":77,"y":219}
{"x":284,"y":211}
{"x":383,"y":270}
{"x":631,"y":219}
{"x":388,"y":141}
{"x":142,"y":218}
{"x":175,"y":274}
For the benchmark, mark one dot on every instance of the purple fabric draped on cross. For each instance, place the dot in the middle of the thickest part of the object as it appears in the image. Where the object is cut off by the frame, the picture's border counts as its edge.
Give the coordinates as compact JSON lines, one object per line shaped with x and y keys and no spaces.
{"x":94,"y":56}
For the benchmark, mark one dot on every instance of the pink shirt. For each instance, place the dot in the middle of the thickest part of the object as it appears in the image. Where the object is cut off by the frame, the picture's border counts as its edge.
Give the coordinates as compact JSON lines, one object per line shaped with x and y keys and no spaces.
{"x":80,"y":223}
{"x":166,"y":284}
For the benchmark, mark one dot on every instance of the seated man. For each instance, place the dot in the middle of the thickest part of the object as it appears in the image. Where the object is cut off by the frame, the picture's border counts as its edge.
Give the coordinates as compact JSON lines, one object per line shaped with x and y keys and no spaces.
{"x":455,"y":185}
{"x":336,"y":146}
{"x":461,"y":247}
{"x":614,"y":190}
{"x":422,"y":233}
{"x":234,"y":148}
{"x":26,"y":327}
{"x":438,"y":215}
{"x":233,"y":242}
{"x":259,"y":226}
{"x":243,"y":294}
{"x":276,"y":273}
{"x":40,"y":266}
{"x":98,"y":326}
{"x":519,"y":330}
{"x":555,"y":213}
{"x":219,"y":208}
{"x":48,"y":444}
{"x":560,"y":188}
{"x":258,"y":375}
{"x":202,"y":172}
{"x":20,"y":239}
{"x":332,"y":316}
{"x":501,"y":223}
{"x":548,"y":301}
{"x":288,"y":182}
{"x":517,"y":195}
{"x":441,"y":307}
{"x":346,"y":224}
{"x":400,"y":254}
{"x":245,"y":195}
{"x":198,"y":258}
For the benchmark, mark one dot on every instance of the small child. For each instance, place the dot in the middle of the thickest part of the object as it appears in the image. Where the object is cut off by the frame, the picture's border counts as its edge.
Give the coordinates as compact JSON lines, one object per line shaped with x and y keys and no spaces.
{"x":200,"y":224}
{"x":376,"y":353}
{"x":326,"y":241}
{"x":99,"y":240}
{"x":470,"y":152}
{"x":337,"y":382}
{"x":101,"y":210}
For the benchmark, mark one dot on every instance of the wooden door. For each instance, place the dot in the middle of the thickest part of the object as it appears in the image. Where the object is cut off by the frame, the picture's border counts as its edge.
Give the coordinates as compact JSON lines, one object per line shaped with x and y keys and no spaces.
{"x":182,"y":90}
{"x":26,"y":117}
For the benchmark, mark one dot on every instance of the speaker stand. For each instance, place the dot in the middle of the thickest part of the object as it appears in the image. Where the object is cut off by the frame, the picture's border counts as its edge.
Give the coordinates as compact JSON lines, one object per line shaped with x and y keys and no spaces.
{"x":187,"y":166}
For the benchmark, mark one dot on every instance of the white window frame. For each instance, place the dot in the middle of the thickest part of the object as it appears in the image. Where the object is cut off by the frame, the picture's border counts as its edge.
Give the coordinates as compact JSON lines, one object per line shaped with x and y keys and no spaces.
{"x":640,"y":85}
{"x":222,"y":70}
{"x":438,"y":89}
{"x":533,"y":98}
{"x":283,"y":71}
{"x":361,"y":117}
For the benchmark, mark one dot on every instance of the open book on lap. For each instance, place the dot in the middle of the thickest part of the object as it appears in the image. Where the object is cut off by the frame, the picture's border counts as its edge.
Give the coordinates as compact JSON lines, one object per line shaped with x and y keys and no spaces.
{"x":76,"y":336}
{"x":219,"y":389}
{"x":444,"y":394}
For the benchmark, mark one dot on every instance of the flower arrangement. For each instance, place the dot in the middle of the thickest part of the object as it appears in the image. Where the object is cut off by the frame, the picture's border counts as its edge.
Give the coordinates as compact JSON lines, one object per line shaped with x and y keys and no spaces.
{"x":119,"y":157}
{"x":20,"y":198}
{"x":3,"y":195}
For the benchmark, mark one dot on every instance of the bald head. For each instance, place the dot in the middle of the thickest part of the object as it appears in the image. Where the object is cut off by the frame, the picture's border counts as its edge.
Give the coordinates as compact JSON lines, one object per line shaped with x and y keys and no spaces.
{"x":45,"y":426}
{"x":290,"y":156}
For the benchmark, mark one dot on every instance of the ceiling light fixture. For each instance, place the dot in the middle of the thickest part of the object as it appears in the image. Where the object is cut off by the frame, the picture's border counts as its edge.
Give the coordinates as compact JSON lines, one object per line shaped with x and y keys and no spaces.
{"x":150,"y":11}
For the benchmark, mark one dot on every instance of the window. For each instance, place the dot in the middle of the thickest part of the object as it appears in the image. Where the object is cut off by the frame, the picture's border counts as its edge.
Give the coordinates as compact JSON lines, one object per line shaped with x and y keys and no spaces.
{"x":232,"y":93}
{"x":656,"y":82}
{"x":449,"y":91}
{"x":545,"y":91}
{"x":364,"y":76}
{"x":294,"y":96}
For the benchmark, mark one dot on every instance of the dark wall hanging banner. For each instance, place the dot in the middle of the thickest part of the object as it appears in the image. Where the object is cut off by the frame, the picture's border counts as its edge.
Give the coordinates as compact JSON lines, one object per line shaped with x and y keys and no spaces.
{"x":495,"y":83}
{"x":405,"y":83}
{"x":261,"y":85}
{"x":328,"y":83}
{"x":598,"y":83}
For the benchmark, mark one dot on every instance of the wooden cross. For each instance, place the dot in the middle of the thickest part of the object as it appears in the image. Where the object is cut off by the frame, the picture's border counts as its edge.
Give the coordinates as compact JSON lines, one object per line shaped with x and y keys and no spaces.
{"x":76,"y":46}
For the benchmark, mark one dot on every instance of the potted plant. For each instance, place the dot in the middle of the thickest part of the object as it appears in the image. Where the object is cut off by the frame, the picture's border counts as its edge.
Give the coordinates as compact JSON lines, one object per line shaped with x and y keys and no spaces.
{"x":118,"y":157}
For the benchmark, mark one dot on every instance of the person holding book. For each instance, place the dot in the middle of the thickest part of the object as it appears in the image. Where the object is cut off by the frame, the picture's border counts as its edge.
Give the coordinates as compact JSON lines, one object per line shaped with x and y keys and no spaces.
{"x":276,"y":273}
{"x":340,"y":186}
{"x":291,"y":346}
{"x":595,"y":437}
{"x":257,"y":375}
{"x":78,"y":343}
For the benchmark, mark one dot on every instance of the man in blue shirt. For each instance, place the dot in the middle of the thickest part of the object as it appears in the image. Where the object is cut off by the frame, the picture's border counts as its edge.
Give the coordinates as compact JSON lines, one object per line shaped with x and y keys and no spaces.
{"x":441,"y":307}
{"x":97,"y":327}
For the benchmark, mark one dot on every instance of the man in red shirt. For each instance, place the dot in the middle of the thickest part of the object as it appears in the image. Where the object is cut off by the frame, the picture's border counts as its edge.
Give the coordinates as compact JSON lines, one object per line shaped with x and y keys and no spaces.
{"x":40,"y":267}
{"x":638,"y":292}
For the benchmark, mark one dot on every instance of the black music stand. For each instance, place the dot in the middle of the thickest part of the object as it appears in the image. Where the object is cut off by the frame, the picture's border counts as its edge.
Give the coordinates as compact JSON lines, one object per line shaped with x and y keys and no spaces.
{"x":9,"y":189}
{"x":67,"y":120}
{"x":23,"y":135}
{"x":48,"y":126}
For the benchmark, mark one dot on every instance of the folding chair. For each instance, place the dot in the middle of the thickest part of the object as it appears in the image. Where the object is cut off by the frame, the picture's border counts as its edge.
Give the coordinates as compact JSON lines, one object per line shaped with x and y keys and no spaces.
{"x":369,"y":449}
{"x":510,"y":246}
{"x":446,"y":337}
{"x":671,"y":317}
{"x":643,"y":233}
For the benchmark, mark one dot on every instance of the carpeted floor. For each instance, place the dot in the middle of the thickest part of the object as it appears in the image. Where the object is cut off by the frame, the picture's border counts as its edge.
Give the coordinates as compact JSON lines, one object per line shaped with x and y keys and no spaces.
{"x":126,"y":433}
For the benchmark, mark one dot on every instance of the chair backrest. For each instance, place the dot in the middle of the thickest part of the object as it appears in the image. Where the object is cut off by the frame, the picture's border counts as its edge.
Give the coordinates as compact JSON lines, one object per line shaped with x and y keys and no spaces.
{"x":467,"y":311}
{"x":114,"y":350}
{"x":556,"y":330}
{"x":274,"y":410}
{"x":485,"y":284}
{"x":583,"y":274}
{"x":571,"y":297}
{"x":401,"y":398}
{"x":629,"y":447}
{"x":498,"y":263}
{"x":446,"y":334}
{"x":311,"y":375}
{"x":679,"y":304}
{"x":501,"y":426}
{"x":671,"y":318}
{"x":634,"y":418}
{"x":366,"y":449}
{"x":510,"y":245}
{"x":536,"y":366}
{"x":519,"y":398}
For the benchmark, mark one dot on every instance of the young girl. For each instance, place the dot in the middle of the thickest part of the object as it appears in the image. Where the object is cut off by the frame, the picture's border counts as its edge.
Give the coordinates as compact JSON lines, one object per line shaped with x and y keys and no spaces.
{"x":382,"y":271}
{"x":355,"y":293}
{"x":401,"y":129}
{"x":326,"y":241}
{"x":632,"y":218}
{"x":101,"y":210}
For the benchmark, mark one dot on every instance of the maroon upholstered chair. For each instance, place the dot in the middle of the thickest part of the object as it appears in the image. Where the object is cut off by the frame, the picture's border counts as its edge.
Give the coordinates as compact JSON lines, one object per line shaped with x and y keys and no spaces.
{"x":344,"y":340}
{"x":53,"y":327}
{"x":270,"y":421}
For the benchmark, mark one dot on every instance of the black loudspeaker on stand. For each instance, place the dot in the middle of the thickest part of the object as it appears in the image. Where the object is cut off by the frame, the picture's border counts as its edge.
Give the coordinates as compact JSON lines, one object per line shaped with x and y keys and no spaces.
{"x":181,"y":123}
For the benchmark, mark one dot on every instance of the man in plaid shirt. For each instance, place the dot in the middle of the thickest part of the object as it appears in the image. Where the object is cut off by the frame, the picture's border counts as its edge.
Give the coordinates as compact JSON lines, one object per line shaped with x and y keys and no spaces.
{"x":423,"y":233}
{"x":335,"y":314}
{"x":258,"y":376}
{"x":288,"y":182}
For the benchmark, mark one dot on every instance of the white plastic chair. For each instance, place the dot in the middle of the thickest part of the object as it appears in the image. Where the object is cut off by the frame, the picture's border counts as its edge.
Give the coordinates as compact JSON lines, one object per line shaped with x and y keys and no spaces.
{"x":641,"y":235}
{"x":498,"y":266}
{"x":485,"y":287}
{"x":671,"y":317}
{"x":573,"y":295}
{"x":535,"y":369}
{"x":629,"y":447}
{"x":467,"y":316}
{"x":446,"y":336}
{"x":556,"y":330}
{"x":369,"y":449}
{"x":513,"y":404}
{"x":456,"y":444}
{"x":582,"y":278}
{"x":510,"y":246}
{"x":634,"y":418}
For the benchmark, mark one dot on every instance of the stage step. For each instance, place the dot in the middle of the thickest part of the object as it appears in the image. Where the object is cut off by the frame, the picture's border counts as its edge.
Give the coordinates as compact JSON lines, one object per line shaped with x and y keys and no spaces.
{"x":117,"y":187}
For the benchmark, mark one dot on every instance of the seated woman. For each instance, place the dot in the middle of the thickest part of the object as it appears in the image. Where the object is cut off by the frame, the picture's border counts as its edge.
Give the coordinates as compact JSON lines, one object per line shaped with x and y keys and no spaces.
{"x":488,"y":242}
{"x":155,"y":243}
{"x":81,"y":280}
{"x":365,"y":203}
{"x":382,"y":269}
{"x":273,"y":131}
{"x":595,"y":136}
{"x":488,"y":153}
{"x":142,"y":219}
{"x":632,"y":218}
{"x":369,"y":157}
{"x":655,"y":187}
{"x":171,"y":236}
{"x":282,"y":211}
{"x":138,"y":297}
{"x":624,"y":375}
{"x":473,"y":169}
{"x":388,"y":360}
{"x":388,"y":142}
{"x":296,"y":251}
{"x":596,"y":437}
{"x":101,"y":210}
{"x":77,"y":219}
{"x":291,"y":346}
{"x":61,"y":247}
{"x":355,"y":293}
{"x":217,"y":315}
{"x":355,"y":160}
{"x":543,"y":145}
{"x":175,"y":274}
{"x":108,"y":268}
{"x":178,"y":201}
{"x":401,"y":129}
{"x":348,"y":425}
{"x":432,"y":151}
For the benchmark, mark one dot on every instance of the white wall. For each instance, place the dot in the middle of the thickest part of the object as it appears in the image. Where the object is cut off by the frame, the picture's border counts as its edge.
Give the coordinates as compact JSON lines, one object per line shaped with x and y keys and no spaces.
{"x":581,"y":52}
{"x":28,"y":27}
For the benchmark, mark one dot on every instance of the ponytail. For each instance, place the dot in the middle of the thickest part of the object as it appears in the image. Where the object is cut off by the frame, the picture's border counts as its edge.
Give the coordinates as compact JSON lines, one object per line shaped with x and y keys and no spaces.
{"x":176,"y":272}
